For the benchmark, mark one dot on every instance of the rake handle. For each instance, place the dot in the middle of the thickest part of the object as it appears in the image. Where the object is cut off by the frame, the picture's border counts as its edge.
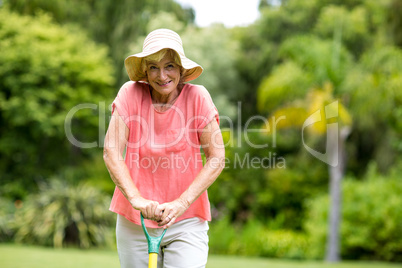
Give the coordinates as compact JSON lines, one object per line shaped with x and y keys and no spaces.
{"x":153,"y":260}
{"x":153,"y":245}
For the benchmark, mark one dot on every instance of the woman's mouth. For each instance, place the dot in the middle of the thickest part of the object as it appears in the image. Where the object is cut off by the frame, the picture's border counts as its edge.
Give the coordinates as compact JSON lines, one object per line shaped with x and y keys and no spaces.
{"x":164,"y":84}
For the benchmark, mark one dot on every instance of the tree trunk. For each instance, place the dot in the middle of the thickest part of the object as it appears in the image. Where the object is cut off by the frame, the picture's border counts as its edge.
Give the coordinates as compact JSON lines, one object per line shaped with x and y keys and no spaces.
{"x":335,"y":188}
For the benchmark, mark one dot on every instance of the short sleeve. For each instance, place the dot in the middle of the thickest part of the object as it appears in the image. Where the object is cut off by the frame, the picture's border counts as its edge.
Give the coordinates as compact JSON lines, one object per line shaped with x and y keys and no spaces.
{"x":207,"y":110}
{"x":121,"y":103}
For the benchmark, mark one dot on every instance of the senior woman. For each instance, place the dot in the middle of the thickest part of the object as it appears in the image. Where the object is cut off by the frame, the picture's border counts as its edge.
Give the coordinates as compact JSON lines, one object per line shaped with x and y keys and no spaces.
{"x":159,"y":123}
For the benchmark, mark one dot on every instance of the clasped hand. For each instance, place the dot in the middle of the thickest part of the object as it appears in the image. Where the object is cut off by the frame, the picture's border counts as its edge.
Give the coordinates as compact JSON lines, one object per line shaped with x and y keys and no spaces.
{"x":164,"y":214}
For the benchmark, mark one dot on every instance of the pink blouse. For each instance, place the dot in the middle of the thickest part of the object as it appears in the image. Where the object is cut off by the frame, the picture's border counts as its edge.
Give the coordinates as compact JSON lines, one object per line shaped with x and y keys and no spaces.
{"x":163,"y":148}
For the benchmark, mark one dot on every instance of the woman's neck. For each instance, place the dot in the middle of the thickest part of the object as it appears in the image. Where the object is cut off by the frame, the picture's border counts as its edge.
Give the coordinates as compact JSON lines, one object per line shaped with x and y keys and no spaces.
{"x":163,"y":102}
{"x":164,"y":99}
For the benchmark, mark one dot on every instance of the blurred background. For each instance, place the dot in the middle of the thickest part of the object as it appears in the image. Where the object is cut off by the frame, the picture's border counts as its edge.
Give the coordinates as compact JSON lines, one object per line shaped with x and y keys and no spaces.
{"x":294,"y":59}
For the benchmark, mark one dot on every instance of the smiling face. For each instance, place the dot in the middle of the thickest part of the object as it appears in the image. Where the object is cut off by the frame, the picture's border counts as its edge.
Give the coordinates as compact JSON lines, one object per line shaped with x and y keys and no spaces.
{"x":164,"y":75}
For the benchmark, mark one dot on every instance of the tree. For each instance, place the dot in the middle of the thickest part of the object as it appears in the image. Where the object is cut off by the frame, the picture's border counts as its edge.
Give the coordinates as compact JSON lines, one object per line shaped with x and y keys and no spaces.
{"x":46,"y":71}
{"x":114,"y":23}
{"x":366,"y":233}
{"x":317,"y":71}
{"x":373,"y":97}
{"x":368,"y":88}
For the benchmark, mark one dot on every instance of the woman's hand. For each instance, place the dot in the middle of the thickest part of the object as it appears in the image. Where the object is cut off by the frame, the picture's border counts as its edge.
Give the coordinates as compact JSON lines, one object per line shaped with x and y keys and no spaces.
{"x":150,"y":209}
{"x":171,"y":211}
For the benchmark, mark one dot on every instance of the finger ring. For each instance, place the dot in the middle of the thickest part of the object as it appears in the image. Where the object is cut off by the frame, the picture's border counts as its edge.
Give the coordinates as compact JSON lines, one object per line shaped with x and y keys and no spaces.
{"x":169,"y":217}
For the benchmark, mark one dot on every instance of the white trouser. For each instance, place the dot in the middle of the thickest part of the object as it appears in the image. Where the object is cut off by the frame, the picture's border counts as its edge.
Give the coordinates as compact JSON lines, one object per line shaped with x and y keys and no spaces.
{"x":185,"y":244}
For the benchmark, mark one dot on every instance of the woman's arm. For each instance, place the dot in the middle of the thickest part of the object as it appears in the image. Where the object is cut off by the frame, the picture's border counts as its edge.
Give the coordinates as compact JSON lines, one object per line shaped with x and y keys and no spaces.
{"x":115,"y":143}
{"x":212,"y":144}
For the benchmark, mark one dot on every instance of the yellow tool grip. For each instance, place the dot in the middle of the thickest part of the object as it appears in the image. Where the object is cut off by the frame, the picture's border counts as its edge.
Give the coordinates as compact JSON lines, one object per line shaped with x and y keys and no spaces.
{"x":153,"y":260}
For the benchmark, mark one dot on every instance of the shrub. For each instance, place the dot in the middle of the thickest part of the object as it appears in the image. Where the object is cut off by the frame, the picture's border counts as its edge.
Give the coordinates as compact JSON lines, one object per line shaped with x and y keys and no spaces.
{"x":268,"y":191}
{"x":221,"y":236}
{"x":62,"y":215}
{"x":371,"y":219}
{"x":47,"y":70}
{"x":6,"y":218}
{"x":284,"y":244}
{"x":254,"y":239}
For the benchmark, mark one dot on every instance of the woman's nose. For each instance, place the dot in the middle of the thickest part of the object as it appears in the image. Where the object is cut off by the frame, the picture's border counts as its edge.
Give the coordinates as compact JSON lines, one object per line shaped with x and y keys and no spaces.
{"x":162,"y":74}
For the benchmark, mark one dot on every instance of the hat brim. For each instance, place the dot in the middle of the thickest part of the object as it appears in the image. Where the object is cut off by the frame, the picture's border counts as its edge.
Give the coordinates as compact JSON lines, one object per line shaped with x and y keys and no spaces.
{"x":133,"y":66}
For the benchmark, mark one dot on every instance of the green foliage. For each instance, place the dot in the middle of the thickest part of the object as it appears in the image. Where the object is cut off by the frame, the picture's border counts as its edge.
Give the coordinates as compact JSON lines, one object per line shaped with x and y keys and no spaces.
{"x":271,"y":190}
{"x":253,"y":239}
{"x":309,"y":62}
{"x":6,"y":218}
{"x":352,"y":26}
{"x":285,"y":244}
{"x":290,"y":54}
{"x":374,"y":86}
{"x":324,"y":60}
{"x":62,"y":215}
{"x":237,"y":187}
{"x":287,"y":189}
{"x":371,"y":219}
{"x":357,"y":24}
{"x":96,"y":174}
{"x":221,"y":234}
{"x":280,"y":87}
{"x":216,"y":56}
{"x":261,"y":41}
{"x":316,"y":225}
{"x":374,"y":98}
{"x":114,"y":23}
{"x":46,"y":71}
{"x":256,"y":58}
{"x":352,"y":57}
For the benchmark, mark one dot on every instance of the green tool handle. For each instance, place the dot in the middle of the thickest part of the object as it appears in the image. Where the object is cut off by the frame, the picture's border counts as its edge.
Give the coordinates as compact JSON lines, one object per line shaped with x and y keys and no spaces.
{"x":153,"y":242}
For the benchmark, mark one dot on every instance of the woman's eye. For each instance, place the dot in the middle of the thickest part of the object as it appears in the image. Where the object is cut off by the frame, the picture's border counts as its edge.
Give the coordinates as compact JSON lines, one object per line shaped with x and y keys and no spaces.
{"x":153,"y":68}
{"x":170,"y":66}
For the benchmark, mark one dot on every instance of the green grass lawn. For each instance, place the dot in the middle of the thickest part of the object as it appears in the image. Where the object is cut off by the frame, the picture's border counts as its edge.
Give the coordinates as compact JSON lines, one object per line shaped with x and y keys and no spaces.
{"x":17,"y":256}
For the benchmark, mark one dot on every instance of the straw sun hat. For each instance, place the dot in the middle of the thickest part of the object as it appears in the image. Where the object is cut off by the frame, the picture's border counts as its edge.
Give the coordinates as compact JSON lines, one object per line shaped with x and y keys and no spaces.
{"x":154,"y":42}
